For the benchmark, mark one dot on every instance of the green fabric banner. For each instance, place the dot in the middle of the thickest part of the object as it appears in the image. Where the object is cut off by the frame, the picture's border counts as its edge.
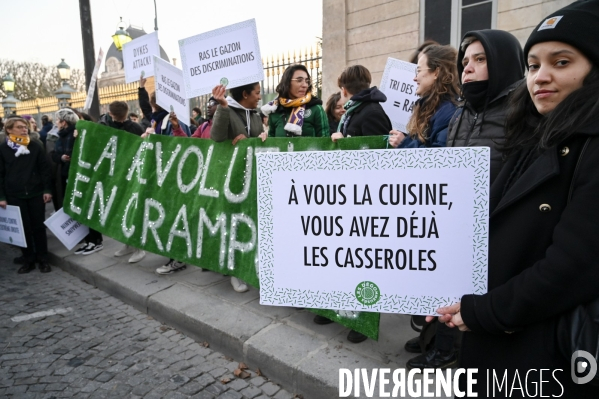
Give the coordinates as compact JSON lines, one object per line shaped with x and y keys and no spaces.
{"x":192,"y":200}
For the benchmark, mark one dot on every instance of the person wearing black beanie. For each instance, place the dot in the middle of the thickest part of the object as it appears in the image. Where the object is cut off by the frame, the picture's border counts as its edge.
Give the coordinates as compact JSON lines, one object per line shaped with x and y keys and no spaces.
{"x":490,"y":65}
{"x":528,"y":335}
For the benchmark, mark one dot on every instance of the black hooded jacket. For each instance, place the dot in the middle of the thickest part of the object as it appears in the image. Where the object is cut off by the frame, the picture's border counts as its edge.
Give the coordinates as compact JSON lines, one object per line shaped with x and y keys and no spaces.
{"x":369,"y":119}
{"x":472,"y":127}
{"x":128,"y":125}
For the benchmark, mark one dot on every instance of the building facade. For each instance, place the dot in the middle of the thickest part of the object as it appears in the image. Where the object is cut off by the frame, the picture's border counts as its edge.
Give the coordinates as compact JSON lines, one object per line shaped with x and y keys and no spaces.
{"x":367,"y":32}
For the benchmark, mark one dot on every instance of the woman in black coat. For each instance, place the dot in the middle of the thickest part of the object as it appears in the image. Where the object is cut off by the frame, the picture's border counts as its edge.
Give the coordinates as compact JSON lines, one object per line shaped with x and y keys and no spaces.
{"x":544,"y":221}
{"x":25,"y":182}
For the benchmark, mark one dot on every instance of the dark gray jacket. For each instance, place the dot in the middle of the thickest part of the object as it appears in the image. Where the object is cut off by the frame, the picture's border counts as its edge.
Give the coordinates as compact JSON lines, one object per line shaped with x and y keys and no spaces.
{"x":230,"y":122}
{"x":468,"y":128}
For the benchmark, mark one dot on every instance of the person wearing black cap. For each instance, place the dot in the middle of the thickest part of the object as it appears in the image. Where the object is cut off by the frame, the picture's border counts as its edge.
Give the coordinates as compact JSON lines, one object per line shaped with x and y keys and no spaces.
{"x":544,"y":224}
{"x":491,"y":66}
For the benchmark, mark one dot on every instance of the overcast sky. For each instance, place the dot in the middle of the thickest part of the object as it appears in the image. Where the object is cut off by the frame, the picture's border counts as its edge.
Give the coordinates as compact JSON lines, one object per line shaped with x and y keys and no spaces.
{"x":47,"y":30}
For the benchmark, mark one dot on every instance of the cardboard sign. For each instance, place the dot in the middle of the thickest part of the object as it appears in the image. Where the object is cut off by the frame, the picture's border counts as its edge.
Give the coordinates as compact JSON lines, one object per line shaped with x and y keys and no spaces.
{"x":170,"y":93}
{"x":11,"y":226}
{"x":398,"y":85}
{"x":138,"y":56}
{"x":229,"y":56}
{"x":68,"y":231}
{"x":393,"y":231}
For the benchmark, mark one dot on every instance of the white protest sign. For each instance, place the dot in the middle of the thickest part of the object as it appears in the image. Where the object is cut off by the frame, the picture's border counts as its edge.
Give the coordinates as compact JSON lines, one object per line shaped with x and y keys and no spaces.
{"x":398,"y":85}
{"x":11,"y":226}
{"x":392,"y":231}
{"x":169,"y":88}
{"x":228,"y":55}
{"x":68,"y":231}
{"x":138,"y":57}
{"x":92,"y":84}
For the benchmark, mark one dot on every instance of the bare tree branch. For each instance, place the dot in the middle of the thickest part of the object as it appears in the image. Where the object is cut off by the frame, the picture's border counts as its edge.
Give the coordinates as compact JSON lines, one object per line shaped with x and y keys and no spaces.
{"x":35,"y":80}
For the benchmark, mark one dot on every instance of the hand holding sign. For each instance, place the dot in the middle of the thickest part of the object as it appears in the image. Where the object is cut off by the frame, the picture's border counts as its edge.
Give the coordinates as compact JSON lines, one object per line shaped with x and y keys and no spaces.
{"x":219,"y":95}
{"x":3,"y":204}
{"x":336,"y":136}
{"x":396,"y":138}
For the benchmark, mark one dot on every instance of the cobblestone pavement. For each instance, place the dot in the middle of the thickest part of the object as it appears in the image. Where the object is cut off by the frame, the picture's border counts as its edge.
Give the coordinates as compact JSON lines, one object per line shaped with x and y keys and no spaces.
{"x":95,"y":346}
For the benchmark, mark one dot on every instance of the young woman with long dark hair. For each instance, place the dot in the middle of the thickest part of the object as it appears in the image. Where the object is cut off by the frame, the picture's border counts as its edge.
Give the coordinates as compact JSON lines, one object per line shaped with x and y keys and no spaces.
{"x":544,"y":223}
{"x":296,"y":112}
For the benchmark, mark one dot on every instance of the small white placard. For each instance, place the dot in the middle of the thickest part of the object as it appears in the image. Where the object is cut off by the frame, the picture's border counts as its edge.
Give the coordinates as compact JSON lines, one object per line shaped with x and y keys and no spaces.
{"x":68,"y":231}
{"x":228,"y":55}
{"x":11,"y":226}
{"x":138,"y":56}
{"x":170,"y":88}
{"x":398,"y":85}
{"x":393,"y":231}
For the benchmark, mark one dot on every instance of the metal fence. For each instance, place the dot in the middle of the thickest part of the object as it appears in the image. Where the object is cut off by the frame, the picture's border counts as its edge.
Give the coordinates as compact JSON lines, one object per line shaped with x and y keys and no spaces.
{"x":274,"y":66}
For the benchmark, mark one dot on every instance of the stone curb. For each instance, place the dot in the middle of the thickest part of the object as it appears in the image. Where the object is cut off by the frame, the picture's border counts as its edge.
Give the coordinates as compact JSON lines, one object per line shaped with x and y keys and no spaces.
{"x":283,"y":343}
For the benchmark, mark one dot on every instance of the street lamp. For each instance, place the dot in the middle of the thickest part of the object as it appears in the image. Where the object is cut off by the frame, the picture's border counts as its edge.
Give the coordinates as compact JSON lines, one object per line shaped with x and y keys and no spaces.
{"x":64,"y":92}
{"x":121,"y":36}
{"x":10,"y":102}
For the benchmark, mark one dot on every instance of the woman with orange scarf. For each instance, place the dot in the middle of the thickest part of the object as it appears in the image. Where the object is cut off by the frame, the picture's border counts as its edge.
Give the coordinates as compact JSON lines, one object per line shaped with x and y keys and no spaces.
{"x":296,"y":112}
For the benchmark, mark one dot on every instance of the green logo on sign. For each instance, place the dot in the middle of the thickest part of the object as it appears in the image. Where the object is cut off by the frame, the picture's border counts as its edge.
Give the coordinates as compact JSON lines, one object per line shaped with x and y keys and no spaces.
{"x":10,"y":238}
{"x":368,"y":293}
{"x":224,"y":82}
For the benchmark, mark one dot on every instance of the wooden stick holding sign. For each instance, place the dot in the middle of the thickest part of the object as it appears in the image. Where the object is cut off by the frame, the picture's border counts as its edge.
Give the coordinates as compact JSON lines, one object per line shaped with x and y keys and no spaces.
{"x":229,"y":56}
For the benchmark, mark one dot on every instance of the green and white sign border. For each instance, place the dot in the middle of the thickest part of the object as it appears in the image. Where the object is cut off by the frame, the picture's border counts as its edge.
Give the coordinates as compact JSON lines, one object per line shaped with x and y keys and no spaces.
{"x":380,"y":160}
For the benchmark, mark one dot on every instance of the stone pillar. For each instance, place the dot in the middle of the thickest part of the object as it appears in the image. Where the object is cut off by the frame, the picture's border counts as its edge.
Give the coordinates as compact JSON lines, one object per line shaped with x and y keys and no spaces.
{"x":334,"y":44}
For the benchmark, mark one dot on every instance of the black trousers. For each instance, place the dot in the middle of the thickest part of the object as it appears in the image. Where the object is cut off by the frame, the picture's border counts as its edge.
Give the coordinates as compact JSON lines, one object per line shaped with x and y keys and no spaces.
{"x":33,"y":216}
{"x":93,"y":236}
{"x":445,"y":338}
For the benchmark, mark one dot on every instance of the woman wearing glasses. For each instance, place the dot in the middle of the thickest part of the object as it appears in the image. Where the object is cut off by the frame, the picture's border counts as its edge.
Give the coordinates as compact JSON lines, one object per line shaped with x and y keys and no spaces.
{"x":296,"y":112}
{"x":25,"y":182}
{"x":437,"y":85}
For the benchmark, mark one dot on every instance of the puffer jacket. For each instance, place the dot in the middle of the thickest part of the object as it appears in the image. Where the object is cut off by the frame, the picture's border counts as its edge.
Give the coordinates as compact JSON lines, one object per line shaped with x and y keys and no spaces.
{"x":469,"y":128}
